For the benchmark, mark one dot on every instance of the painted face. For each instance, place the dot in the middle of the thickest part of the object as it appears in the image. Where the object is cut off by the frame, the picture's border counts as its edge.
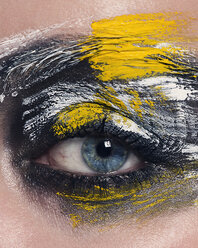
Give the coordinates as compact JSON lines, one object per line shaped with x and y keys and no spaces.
{"x":130,"y":88}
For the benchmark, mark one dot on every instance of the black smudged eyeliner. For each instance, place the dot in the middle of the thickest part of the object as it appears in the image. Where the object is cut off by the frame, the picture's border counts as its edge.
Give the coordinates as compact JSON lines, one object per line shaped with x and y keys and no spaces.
{"x":65,"y":81}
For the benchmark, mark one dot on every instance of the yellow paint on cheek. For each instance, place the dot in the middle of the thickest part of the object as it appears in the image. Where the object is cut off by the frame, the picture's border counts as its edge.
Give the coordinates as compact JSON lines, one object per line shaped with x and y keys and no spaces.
{"x":75,"y":219}
{"x":109,"y":194}
{"x":144,"y":198}
{"x":135,"y":46}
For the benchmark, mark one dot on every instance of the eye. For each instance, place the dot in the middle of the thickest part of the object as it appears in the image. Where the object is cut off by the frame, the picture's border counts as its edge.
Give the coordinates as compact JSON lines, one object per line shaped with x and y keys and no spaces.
{"x":91,"y":155}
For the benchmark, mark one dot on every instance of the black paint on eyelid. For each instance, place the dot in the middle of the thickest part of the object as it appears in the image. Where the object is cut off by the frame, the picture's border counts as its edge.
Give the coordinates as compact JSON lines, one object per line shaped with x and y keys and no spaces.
{"x":44,"y":179}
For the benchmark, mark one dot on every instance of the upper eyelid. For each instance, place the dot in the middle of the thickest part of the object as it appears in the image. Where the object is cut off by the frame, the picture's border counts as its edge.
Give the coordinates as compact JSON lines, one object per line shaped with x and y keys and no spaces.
{"x":135,"y":134}
{"x":56,"y":101}
{"x":31,"y":82}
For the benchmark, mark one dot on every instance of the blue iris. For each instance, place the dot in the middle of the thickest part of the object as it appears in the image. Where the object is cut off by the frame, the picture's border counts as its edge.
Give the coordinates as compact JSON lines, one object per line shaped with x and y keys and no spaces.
{"x":103,"y":155}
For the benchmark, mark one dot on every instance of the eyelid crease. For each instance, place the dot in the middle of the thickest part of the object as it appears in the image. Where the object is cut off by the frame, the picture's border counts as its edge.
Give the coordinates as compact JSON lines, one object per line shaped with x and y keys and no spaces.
{"x":77,"y":116}
{"x":80,"y":115}
{"x":94,"y":119}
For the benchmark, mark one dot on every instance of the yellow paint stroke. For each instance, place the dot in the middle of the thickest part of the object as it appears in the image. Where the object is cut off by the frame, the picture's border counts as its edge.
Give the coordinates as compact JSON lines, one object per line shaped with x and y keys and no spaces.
{"x":78,"y":116}
{"x":75,"y":219}
{"x":128,"y":47}
{"x":150,"y":103}
{"x":135,"y":102}
{"x":134,"y":105}
{"x":109,"y":97}
{"x":143,"y":197}
{"x":136,"y":46}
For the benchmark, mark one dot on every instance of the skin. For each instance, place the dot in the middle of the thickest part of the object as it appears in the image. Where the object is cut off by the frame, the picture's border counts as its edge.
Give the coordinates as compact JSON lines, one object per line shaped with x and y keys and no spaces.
{"x":23,"y":224}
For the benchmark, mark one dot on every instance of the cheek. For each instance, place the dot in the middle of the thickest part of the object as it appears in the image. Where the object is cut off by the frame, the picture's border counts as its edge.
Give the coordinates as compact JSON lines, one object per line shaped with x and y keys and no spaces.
{"x":25,"y":225}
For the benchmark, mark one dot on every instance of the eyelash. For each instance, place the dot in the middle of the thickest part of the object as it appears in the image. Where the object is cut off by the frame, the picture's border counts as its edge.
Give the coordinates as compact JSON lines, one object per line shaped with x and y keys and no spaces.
{"x":156,"y":157}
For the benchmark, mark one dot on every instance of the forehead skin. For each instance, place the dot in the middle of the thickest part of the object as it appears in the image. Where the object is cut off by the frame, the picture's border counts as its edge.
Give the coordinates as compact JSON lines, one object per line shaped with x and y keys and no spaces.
{"x":18,"y":16}
{"x":26,"y":227}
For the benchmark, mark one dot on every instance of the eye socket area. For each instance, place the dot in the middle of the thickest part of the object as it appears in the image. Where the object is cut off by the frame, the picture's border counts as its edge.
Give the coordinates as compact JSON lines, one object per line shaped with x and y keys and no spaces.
{"x":91,"y":156}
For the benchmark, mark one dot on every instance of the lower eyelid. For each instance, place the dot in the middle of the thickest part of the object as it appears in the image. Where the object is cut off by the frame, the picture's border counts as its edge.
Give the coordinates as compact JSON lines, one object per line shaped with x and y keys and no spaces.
{"x":76,"y":194}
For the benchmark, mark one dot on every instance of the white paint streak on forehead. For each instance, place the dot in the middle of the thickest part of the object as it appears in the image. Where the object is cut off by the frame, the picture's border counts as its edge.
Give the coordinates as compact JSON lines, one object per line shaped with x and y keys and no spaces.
{"x":69,"y":28}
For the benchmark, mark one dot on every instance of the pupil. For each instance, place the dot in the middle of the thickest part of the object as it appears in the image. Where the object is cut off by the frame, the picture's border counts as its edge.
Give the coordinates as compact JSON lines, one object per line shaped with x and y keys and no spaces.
{"x":104,"y":148}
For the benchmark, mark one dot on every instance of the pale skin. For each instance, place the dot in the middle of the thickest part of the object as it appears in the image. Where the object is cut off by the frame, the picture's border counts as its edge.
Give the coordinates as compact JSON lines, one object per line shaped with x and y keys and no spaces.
{"x":23,"y":225}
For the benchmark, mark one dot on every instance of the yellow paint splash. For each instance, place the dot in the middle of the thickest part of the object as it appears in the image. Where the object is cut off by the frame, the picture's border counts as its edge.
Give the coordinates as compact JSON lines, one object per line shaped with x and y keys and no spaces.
{"x":135,"y":102}
{"x":136,"y":46}
{"x":143,"y":197}
{"x":75,"y":219}
{"x":109,"y":97}
{"x":78,"y":116}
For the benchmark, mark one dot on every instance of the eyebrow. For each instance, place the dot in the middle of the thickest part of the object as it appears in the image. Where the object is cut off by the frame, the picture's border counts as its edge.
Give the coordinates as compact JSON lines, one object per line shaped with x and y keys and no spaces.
{"x":43,"y":59}
{"x":36,"y":63}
